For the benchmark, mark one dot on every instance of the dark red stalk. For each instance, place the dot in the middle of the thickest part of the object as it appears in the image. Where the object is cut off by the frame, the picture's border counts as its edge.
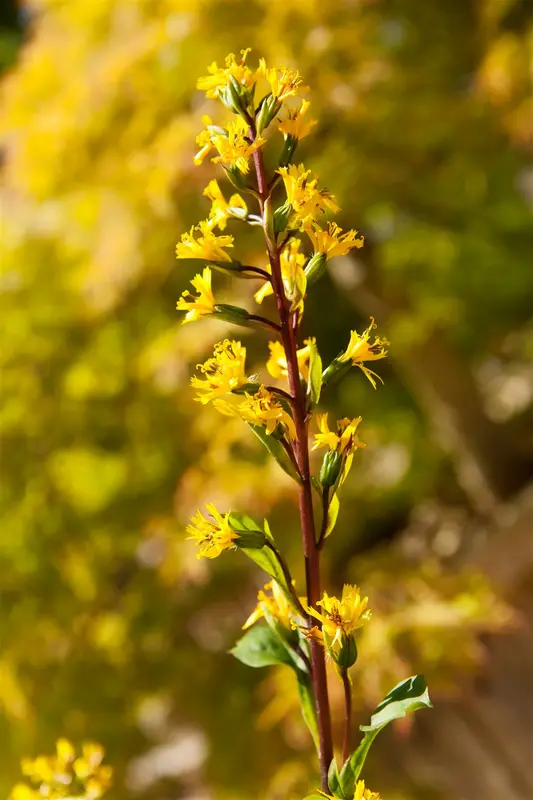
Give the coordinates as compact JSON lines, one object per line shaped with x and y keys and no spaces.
{"x":301,"y":449}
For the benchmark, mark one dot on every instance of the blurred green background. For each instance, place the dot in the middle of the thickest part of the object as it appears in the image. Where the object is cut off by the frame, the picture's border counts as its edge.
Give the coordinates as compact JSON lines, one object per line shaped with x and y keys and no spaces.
{"x":110,"y":629}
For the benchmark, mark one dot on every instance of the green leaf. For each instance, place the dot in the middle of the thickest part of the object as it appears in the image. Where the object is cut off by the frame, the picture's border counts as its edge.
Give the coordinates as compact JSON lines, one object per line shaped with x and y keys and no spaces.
{"x":334,"y":783}
{"x":242,"y":522}
{"x":333,"y":513}
{"x":276,"y":449}
{"x":261,"y":647}
{"x":409,"y":695}
{"x":307,"y":703}
{"x":314,"y":382}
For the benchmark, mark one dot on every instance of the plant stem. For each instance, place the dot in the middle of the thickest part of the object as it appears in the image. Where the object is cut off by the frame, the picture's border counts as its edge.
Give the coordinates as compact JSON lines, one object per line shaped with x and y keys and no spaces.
{"x":301,"y":448}
{"x":347,"y":715}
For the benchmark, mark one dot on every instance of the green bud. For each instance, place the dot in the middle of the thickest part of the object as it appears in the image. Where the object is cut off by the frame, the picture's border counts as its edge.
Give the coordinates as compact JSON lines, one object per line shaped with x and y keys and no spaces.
{"x":281,"y":217}
{"x":336,"y":370}
{"x":346,"y":655}
{"x":250,"y":388}
{"x":331,"y":468}
{"x":315,"y":268}
{"x":251,"y":540}
{"x":270,"y":106}
{"x":236,"y":177}
{"x":268,"y":218}
{"x":236,"y":97}
{"x":239,"y":316}
{"x":289,"y":146}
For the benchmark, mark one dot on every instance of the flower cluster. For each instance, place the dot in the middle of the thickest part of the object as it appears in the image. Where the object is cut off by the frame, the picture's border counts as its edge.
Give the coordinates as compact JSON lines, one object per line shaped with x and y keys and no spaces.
{"x":65,"y":775}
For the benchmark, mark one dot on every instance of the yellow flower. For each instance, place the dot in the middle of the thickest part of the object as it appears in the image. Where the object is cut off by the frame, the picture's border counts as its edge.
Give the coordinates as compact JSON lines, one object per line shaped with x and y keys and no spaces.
{"x":275,"y":604}
{"x":212,"y":537}
{"x":21,"y":791}
{"x":219,"y":77}
{"x":223,"y":373}
{"x":262,"y":409}
{"x":207,"y":245}
{"x":341,"y":617}
{"x":64,"y":774}
{"x":295,"y":125}
{"x":277,"y":362}
{"x":220,"y":209}
{"x":201,"y":306}
{"x":303,"y":195}
{"x":344,"y":440}
{"x":332,"y":242}
{"x":360,"y":350}
{"x":284,"y":82}
{"x":293,"y":274}
{"x":364,"y":794}
{"x":231,"y":142}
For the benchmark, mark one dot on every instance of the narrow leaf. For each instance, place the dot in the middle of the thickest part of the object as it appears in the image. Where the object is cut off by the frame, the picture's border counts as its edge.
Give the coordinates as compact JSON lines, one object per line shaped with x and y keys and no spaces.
{"x":333,"y":513}
{"x":307,"y":703}
{"x":314,"y":382}
{"x":276,"y":449}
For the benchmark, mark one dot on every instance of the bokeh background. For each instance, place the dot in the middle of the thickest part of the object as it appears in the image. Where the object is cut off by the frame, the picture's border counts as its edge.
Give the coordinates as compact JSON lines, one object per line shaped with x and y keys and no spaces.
{"x":110,"y":629}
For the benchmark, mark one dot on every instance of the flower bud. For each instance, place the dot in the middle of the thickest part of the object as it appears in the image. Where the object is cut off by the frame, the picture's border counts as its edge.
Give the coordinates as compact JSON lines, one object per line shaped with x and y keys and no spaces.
{"x":315,"y":268}
{"x":331,"y":468}
{"x":236,"y":178}
{"x":239,"y":316}
{"x":335,"y":371}
{"x":268,"y":110}
{"x":281,"y":217}
{"x":345,"y":653}
{"x":289,"y":146}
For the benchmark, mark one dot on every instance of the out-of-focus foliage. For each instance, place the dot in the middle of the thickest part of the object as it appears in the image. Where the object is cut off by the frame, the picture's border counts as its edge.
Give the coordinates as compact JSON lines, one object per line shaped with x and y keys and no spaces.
{"x":110,"y":629}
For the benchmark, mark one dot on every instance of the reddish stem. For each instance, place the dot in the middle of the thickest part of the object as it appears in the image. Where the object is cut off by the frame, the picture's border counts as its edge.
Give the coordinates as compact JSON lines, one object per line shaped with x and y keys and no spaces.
{"x":301,"y":449}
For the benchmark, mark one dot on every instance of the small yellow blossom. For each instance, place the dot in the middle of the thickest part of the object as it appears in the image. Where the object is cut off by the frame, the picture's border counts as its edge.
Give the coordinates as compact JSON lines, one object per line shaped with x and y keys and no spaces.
{"x":223,"y":373}
{"x":284,"y":82}
{"x":221,"y":210}
{"x":292,"y":264}
{"x":295,"y":125}
{"x":303,"y":195}
{"x":207,"y":245}
{"x":65,"y":775}
{"x":212,"y":537}
{"x":274,"y":604}
{"x":262,"y":409}
{"x":201,"y":306}
{"x":360,"y":350}
{"x":218,"y":77}
{"x":332,"y":242}
{"x":277,"y":362}
{"x":344,"y":440}
{"x":232,"y":143}
{"x":364,"y":794}
{"x":341,"y":617}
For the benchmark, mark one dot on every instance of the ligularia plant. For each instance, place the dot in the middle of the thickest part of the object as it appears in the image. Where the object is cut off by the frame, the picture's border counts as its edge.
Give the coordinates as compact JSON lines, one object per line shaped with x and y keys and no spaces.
{"x":298,"y":629}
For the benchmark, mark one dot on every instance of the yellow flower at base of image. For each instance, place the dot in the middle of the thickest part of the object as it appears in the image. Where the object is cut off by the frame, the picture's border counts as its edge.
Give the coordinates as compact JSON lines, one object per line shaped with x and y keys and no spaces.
{"x":221,"y":210}
{"x":262,"y":409}
{"x":293,"y":275}
{"x":333,"y":242}
{"x":361,"y":793}
{"x":201,"y":306}
{"x":277,"y":361}
{"x":360,"y":350}
{"x":284,"y":82}
{"x":296,"y":125}
{"x":344,"y":616}
{"x":219,"y":77}
{"x":207,"y":245}
{"x":65,"y":776}
{"x":212,"y":537}
{"x":306,"y":199}
{"x":223,"y":373}
{"x":275,"y":604}
{"x":344,"y":439}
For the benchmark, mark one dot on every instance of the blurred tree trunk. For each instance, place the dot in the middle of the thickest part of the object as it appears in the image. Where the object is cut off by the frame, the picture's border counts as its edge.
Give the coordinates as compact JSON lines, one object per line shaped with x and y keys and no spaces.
{"x":488,"y":465}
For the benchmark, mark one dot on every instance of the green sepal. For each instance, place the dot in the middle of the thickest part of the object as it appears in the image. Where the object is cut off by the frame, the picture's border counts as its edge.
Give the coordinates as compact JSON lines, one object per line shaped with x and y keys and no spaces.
{"x":287,"y":152}
{"x":250,"y":387}
{"x":276,"y":450}
{"x":334,"y":784}
{"x":347,"y":654}
{"x":331,"y":468}
{"x":234,"y":314}
{"x":314,"y":382}
{"x":281,"y":217}
{"x":236,"y":178}
{"x":315,"y":268}
{"x":335,"y":371}
{"x":409,"y":695}
{"x":252,"y":540}
{"x":269,"y":107}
